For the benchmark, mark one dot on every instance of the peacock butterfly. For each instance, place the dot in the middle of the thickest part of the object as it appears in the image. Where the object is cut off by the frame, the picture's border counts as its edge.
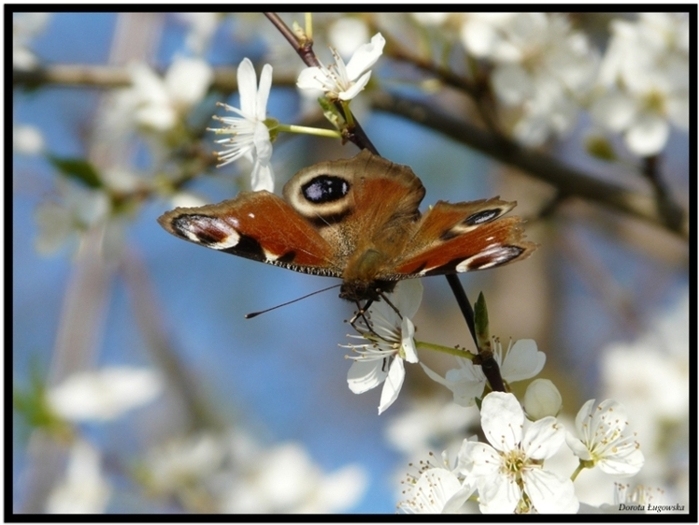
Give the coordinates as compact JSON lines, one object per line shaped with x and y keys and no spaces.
{"x":357,"y":219}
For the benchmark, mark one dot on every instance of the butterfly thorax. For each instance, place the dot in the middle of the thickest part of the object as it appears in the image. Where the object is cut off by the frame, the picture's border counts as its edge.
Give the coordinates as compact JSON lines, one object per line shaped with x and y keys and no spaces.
{"x":360,"y":276}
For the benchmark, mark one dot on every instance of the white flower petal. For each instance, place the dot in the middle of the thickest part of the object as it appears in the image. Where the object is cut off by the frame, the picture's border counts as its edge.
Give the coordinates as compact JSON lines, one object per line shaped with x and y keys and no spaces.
{"x":477,"y":460}
{"x":262,"y":177}
{"x":407,"y":341}
{"x":625,"y":465}
{"x":500,"y":494}
{"x":263,"y":94}
{"x":309,"y":78}
{"x":543,"y":438}
{"x":523,"y":361}
{"x":247,"y":87}
{"x":392,"y":385}
{"x":502,"y":419}
{"x":549,"y":492}
{"x":355,"y":87}
{"x":366,"y":374}
{"x":365,"y":56}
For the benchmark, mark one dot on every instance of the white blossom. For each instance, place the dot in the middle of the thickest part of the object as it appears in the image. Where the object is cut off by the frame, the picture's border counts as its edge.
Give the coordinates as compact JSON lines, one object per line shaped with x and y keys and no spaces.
{"x":427,"y":422}
{"x":542,"y":399}
{"x":183,"y":461}
{"x":390,"y":343}
{"x":160,"y":103}
{"x":202,"y":27}
{"x":60,"y":222}
{"x":340,"y":81}
{"x":250,"y":134}
{"x":105,"y":394}
{"x":25,"y":27}
{"x":644,"y":81}
{"x":603,"y":438}
{"x":83,"y":489}
{"x":436,"y":491}
{"x":27,"y":139}
{"x":521,"y":361}
{"x":542,"y":69}
{"x":512,"y":465}
{"x":284,"y":479}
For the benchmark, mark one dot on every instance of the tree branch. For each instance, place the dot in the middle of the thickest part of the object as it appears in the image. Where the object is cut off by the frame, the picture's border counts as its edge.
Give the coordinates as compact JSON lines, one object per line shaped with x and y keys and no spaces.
{"x":569,"y":181}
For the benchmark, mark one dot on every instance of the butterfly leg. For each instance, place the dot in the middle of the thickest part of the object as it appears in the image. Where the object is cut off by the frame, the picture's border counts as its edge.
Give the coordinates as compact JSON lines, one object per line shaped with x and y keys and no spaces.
{"x":389,"y":303}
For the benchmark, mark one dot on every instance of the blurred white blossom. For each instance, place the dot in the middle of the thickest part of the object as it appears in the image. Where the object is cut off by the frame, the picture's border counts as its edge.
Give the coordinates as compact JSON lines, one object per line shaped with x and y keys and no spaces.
{"x":183,"y":461}
{"x":202,"y":27}
{"x":390,"y":342}
{"x":231,"y":473}
{"x":105,"y":394}
{"x":428,"y":423}
{"x":521,"y":361}
{"x":60,"y":222}
{"x":284,"y":479}
{"x":25,"y":27}
{"x":543,"y":69}
{"x":340,"y":81}
{"x":509,"y":472}
{"x":160,"y":103}
{"x":83,"y":489}
{"x":27,"y":139}
{"x":250,"y":134}
{"x":347,"y":34}
{"x":651,"y":377}
{"x":430,"y":19}
{"x":644,"y":80}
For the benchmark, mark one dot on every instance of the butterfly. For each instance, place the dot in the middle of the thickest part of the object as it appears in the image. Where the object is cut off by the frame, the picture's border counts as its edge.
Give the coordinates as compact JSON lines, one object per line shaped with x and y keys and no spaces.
{"x":357,"y":219}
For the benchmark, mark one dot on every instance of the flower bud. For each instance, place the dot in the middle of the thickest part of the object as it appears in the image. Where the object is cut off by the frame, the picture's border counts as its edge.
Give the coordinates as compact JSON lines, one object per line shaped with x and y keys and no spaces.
{"x":542,"y":399}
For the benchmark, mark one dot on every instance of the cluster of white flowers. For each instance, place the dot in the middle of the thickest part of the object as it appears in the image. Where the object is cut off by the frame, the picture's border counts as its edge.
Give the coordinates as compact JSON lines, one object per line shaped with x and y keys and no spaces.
{"x":644,"y":81}
{"x":25,"y":27}
{"x":542,"y":69}
{"x":544,"y":73}
{"x":508,"y":474}
{"x":240,"y":476}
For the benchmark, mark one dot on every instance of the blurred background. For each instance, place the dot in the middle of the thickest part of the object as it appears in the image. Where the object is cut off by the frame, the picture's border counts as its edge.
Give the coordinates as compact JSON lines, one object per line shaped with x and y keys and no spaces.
{"x":205,"y":411}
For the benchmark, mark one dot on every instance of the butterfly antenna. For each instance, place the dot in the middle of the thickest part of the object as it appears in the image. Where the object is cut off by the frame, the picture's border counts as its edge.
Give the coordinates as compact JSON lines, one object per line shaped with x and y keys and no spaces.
{"x":255,"y":314}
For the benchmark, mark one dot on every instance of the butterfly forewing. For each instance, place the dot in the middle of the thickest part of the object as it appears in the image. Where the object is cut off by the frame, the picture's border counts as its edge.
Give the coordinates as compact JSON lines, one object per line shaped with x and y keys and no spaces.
{"x":258,"y":226}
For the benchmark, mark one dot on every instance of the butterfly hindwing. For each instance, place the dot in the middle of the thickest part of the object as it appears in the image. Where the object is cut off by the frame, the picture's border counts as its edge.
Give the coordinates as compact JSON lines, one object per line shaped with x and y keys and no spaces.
{"x":454,"y":238}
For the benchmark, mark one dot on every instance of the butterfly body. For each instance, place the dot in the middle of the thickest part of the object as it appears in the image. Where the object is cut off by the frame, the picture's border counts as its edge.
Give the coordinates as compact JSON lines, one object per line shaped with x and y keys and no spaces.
{"x":356,"y":219}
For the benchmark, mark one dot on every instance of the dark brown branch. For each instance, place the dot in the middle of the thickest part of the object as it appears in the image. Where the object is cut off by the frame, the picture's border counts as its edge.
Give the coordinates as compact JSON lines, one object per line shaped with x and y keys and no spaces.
{"x":666,"y":207}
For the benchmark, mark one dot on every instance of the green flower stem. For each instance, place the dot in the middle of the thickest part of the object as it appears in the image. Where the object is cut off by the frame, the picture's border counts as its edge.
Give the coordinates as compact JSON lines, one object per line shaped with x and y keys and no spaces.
{"x":578,"y":470}
{"x":445,"y":349}
{"x":349,"y":118}
{"x":290,"y":128}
